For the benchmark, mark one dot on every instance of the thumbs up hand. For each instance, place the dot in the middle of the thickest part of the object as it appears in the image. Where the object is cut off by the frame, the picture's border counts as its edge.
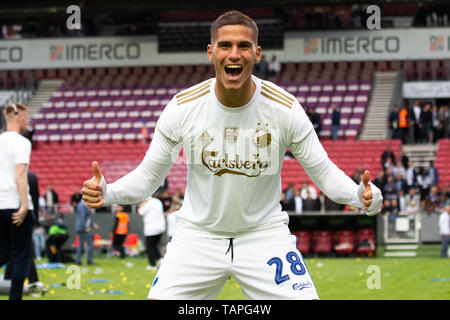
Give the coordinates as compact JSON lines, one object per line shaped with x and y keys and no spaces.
{"x":92,"y":190}
{"x":369,"y":195}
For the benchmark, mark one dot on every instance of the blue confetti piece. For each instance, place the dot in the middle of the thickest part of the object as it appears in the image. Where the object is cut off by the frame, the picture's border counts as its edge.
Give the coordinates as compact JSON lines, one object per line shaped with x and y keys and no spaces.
{"x":50,"y":265}
{"x":98,"y":280}
{"x":440,"y":279}
{"x":56,"y":285}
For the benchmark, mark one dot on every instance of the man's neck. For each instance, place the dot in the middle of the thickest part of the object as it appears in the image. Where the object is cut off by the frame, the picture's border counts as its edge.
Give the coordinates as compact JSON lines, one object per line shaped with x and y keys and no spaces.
{"x":235,"y":98}
{"x":13,"y":127}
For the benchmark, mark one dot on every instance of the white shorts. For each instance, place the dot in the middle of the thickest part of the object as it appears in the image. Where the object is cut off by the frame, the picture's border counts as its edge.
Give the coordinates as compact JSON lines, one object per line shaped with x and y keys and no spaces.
{"x":266,"y":264}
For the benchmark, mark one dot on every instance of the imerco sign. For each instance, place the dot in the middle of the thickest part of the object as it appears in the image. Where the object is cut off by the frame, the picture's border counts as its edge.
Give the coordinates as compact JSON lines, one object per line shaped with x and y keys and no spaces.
{"x":368,"y":45}
{"x":95,"y":52}
{"x":13,"y":54}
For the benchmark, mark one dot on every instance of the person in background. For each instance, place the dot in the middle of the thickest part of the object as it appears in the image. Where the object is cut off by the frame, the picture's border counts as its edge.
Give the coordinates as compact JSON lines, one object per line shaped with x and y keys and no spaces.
{"x":74,"y":199}
{"x":16,"y":215}
{"x":120,"y":230}
{"x":415,"y":119}
{"x":444,"y":230}
{"x":274,"y":66}
{"x":435,"y":122}
{"x":83,"y":227}
{"x":298,"y":202}
{"x":393,"y":122}
{"x":403,"y":124}
{"x":426,"y":121}
{"x":262,"y":67}
{"x":387,"y":154}
{"x":410,"y":175}
{"x":434,"y":174}
{"x":51,"y":200}
{"x":152,"y":212}
{"x":335,"y":122}
{"x":57,"y":236}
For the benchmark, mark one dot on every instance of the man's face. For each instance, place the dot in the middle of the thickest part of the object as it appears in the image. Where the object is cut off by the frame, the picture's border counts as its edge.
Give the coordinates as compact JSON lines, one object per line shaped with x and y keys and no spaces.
{"x":234,"y":52}
{"x":22,"y":120}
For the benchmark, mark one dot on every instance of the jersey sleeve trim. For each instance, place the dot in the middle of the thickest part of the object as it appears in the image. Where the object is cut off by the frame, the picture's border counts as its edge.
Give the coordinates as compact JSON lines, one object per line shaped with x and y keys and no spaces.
{"x":192,"y":92}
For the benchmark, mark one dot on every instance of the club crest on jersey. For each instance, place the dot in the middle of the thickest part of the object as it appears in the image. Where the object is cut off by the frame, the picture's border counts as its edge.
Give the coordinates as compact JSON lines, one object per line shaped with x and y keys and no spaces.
{"x":262,"y":136}
{"x":230,"y":134}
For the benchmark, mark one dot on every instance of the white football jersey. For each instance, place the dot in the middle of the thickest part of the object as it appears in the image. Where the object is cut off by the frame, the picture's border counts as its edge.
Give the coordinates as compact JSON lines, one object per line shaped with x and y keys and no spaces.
{"x":234,"y":155}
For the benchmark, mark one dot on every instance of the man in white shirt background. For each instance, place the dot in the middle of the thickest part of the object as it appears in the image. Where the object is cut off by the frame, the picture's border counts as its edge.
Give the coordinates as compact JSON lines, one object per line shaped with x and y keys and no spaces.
{"x":16,"y":217}
{"x":152,"y":212}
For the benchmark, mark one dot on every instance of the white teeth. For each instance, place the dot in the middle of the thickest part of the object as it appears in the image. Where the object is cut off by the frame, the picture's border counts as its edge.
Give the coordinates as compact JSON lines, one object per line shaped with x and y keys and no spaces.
{"x":233,"y":66}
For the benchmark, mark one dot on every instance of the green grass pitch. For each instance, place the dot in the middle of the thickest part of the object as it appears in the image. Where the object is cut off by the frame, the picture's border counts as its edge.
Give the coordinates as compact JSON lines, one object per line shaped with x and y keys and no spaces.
{"x":424,"y":277}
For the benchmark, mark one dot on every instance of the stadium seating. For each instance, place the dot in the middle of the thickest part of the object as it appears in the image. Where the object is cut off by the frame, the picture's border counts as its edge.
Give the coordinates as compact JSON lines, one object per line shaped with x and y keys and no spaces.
{"x":303,"y":241}
{"x":365,"y":242}
{"x":322,"y":242}
{"x":345,"y":242}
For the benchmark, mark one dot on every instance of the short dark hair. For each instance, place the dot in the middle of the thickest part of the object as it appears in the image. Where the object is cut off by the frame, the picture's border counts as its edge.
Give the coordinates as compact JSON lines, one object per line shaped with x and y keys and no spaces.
{"x":233,"y":17}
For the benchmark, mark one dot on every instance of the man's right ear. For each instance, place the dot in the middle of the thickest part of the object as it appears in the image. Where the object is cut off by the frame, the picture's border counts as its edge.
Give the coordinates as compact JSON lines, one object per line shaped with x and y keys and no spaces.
{"x":210,"y":54}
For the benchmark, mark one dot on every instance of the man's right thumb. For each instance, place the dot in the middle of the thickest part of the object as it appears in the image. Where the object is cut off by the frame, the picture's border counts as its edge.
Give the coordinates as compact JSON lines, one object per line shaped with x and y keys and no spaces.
{"x":96,"y":171}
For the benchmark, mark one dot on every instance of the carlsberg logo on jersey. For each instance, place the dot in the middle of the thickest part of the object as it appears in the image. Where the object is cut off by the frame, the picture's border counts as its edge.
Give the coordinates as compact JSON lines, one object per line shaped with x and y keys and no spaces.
{"x":247,"y":152}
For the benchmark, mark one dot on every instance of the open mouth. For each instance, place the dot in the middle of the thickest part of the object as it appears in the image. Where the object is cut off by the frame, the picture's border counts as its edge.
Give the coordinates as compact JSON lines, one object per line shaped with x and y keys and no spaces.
{"x":233,"y":69}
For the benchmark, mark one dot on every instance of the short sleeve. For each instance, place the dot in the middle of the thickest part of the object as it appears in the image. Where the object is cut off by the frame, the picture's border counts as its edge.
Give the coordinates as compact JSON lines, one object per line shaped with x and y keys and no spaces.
{"x":23,"y":151}
{"x":300,"y":125}
{"x":169,"y":122}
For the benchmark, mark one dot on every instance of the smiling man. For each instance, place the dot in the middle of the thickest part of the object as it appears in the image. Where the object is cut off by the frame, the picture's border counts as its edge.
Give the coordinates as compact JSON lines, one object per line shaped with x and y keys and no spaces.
{"x":235,"y":129}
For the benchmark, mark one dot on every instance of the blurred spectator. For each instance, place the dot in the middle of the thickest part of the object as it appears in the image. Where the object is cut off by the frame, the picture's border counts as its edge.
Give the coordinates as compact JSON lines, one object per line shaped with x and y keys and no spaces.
{"x":387,"y":154}
{"x":120,"y":230}
{"x":166,"y":200}
{"x":335,"y":122}
{"x":298,"y":202}
{"x":355,"y":15}
{"x":57,"y":237}
{"x":379,"y":180}
{"x":398,"y":168}
{"x":400,"y":183}
{"x":289,"y":192}
{"x":403,"y":124}
{"x":403,"y":158}
{"x":412,"y":196}
{"x":306,"y":187}
{"x":426,"y":120}
{"x":395,"y":208}
{"x":145,"y":136}
{"x":74,"y":199}
{"x":83,"y":227}
{"x":314,"y":117}
{"x":424,"y":181}
{"x":152,"y":212}
{"x":434,"y":174}
{"x":412,"y":208}
{"x":434,"y":123}
{"x":390,"y":190}
{"x":287,"y":205}
{"x":310,"y":204}
{"x":443,"y":127}
{"x":262,"y":67}
{"x":330,"y":205}
{"x":388,"y":166}
{"x":415,"y":120}
{"x":410,"y":175}
{"x":274,"y":66}
{"x":401,"y":200}
{"x":393,"y":123}
{"x":387,"y":207}
{"x":51,"y":200}
{"x":444,"y":230}
{"x":432,"y":200}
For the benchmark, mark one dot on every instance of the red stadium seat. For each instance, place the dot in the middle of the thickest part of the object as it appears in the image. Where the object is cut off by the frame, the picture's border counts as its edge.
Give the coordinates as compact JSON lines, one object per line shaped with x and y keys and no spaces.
{"x":366,"y":242}
{"x":303,"y":241}
{"x":322,"y":242}
{"x":345,"y":242}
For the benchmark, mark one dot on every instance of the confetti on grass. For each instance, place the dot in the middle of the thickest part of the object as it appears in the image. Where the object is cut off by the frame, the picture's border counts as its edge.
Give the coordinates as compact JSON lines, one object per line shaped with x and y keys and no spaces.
{"x":98,"y":280}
